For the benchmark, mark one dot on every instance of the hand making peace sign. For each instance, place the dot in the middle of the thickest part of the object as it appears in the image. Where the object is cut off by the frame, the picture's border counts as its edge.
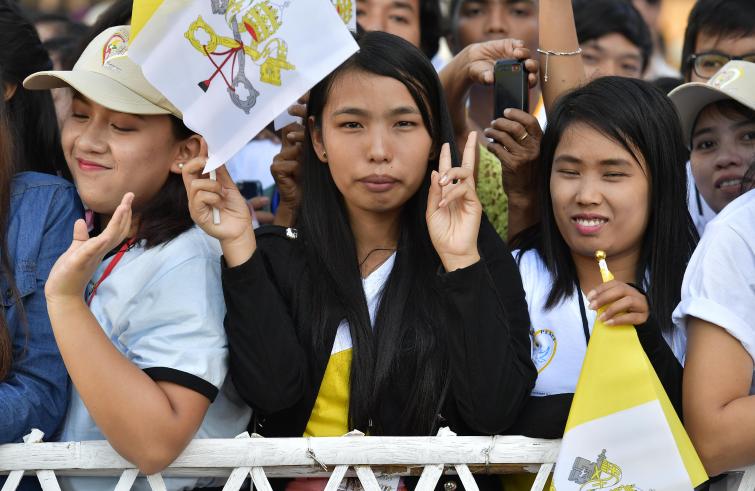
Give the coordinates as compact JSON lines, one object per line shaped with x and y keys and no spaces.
{"x":453,"y":209}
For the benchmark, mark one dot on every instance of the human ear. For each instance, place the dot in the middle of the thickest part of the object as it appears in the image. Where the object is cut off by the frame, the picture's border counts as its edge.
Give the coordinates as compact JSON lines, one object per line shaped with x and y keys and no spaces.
{"x":188,"y":149}
{"x":317,"y":142}
{"x":10,"y":90}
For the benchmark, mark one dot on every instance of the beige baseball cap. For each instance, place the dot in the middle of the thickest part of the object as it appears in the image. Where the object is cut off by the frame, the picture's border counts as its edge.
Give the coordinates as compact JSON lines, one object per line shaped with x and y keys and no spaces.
{"x":108,"y":77}
{"x":735,"y":80}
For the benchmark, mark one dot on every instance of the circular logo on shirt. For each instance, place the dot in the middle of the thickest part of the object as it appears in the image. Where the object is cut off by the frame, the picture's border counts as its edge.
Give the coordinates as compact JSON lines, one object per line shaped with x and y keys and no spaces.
{"x":544,"y":345}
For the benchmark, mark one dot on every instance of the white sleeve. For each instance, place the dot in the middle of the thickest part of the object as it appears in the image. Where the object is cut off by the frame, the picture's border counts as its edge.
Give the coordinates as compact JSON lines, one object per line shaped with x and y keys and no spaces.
{"x":719,"y":285}
{"x":176,"y":333}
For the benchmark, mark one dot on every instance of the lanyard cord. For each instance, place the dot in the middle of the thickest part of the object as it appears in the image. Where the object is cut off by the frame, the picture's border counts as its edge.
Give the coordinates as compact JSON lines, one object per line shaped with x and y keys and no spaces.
{"x":583,"y":312}
{"x":110,"y":267}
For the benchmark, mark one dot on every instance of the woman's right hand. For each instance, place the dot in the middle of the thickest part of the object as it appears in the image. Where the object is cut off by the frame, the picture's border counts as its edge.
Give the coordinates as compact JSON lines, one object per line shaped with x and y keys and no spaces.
{"x":235,"y":231}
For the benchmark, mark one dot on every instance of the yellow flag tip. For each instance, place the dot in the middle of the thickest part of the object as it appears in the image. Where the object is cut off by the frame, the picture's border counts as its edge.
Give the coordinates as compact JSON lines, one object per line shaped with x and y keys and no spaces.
{"x":600,"y":255}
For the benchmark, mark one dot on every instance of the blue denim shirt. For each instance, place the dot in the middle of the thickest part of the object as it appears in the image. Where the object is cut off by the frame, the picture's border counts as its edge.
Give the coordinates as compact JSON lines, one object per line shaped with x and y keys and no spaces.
{"x":43,"y":209}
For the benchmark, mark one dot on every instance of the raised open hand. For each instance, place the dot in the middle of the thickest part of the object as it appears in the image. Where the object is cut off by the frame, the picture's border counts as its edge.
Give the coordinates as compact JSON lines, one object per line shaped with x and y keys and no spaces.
{"x":73,"y":270}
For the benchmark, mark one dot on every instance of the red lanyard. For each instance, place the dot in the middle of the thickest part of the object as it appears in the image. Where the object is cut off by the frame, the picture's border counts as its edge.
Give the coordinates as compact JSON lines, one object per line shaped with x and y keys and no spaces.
{"x":110,"y":267}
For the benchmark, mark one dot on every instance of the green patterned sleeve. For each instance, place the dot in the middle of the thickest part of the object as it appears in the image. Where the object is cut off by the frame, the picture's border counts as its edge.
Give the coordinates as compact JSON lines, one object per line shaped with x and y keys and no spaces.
{"x":490,"y":191}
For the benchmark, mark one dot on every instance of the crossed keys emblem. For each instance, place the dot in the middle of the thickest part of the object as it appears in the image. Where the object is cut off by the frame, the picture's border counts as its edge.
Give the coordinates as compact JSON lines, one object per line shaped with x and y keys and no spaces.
{"x":254,"y":25}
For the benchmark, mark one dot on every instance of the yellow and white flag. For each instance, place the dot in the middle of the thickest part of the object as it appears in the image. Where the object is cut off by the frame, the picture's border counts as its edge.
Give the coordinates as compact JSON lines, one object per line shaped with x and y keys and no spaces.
{"x":232,"y":66}
{"x":623,"y":433}
{"x":347,"y":9}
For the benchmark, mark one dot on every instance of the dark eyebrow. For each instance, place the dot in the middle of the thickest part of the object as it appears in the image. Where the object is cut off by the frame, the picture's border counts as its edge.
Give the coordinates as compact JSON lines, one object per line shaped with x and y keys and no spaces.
{"x":509,"y":2}
{"x":401,"y":4}
{"x":78,"y":96}
{"x":742,"y":124}
{"x":615,"y":162}
{"x":354,"y":111}
{"x":403,"y":110}
{"x":570,"y":159}
{"x":733,"y":127}
{"x":567,"y":159}
{"x":593,"y":43}
{"x":632,"y":57}
{"x":702,"y":131}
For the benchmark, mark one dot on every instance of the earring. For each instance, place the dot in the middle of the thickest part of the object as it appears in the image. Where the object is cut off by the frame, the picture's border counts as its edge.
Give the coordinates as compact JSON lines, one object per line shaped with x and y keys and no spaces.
{"x":181,"y":165}
{"x":324,"y":155}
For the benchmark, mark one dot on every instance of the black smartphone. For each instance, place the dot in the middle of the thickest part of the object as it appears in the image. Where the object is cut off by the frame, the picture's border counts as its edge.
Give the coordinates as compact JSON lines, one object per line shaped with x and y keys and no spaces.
{"x":250,"y":189}
{"x":510,"y":87}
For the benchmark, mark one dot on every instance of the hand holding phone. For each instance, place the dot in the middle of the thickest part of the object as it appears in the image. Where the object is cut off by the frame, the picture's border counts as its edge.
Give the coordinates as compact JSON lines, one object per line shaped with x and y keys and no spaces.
{"x":510,"y":88}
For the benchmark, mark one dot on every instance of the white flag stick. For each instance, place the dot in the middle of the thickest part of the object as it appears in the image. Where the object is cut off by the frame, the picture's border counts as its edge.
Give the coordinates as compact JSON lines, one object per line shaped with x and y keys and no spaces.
{"x":215,"y":211}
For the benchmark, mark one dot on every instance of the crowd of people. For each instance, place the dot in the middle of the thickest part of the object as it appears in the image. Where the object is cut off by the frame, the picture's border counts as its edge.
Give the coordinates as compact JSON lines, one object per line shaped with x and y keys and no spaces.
{"x":422,"y":262}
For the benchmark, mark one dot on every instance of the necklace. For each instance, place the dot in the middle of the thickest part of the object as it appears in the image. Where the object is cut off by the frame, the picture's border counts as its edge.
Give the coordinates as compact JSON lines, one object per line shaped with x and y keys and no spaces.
{"x":361,"y":263}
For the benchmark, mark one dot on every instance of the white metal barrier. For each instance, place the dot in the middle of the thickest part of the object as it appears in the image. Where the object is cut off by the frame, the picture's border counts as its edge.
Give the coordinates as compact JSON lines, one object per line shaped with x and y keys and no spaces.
{"x":263,"y":458}
{"x":353,"y":455}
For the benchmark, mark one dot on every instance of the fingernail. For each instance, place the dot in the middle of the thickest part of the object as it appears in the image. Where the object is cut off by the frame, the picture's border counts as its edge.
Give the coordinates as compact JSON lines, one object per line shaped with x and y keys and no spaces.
{"x":507,"y":112}
{"x":609,"y":322}
{"x":264,"y":199}
{"x":590,"y":294}
{"x":602,"y":316}
{"x":444,"y":179}
{"x":592,"y":306}
{"x":518,"y":42}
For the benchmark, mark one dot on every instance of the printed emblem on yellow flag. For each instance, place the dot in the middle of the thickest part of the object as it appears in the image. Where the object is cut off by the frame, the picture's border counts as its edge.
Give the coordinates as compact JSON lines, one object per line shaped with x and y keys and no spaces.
{"x":622,"y":418}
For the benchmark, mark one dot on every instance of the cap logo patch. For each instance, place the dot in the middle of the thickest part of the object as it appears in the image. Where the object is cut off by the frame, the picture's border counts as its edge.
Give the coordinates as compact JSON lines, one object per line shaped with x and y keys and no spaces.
{"x":725,"y":77}
{"x":116,"y":45}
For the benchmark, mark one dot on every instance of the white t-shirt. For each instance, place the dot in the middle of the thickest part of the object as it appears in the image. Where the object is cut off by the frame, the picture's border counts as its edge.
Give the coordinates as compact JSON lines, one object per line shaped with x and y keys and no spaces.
{"x":699,"y":210}
{"x":557,"y":336}
{"x":163,"y":309}
{"x":373,"y":290}
{"x":719,"y":284}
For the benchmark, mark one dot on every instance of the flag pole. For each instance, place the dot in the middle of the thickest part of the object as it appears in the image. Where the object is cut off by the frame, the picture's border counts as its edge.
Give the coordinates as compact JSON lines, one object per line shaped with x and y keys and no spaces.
{"x":215,"y":211}
{"x":604,"y":272}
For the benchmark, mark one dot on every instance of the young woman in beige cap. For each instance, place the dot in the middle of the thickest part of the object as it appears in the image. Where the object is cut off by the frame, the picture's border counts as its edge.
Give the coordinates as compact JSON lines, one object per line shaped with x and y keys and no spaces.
{"x":137,"y":310}
{"x":718,"y":293}
{"x":718,"y":119}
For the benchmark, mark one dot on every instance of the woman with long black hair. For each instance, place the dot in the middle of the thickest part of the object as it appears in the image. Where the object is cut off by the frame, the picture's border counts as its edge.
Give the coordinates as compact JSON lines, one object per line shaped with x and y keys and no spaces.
{"x":393,"y":308}
{"x":31,"y":115}
{"x":37,"y":211}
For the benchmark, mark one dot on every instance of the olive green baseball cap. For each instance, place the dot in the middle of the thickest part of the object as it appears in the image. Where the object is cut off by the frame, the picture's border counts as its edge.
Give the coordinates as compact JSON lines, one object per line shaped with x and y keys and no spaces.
{"x":105,"y":75}
{"x":735,"y":81}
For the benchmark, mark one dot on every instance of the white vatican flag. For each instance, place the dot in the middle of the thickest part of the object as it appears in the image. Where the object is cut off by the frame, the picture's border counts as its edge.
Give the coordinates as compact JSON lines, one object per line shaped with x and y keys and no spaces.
{"x":623,"y":433}
{"x":232,"y":66}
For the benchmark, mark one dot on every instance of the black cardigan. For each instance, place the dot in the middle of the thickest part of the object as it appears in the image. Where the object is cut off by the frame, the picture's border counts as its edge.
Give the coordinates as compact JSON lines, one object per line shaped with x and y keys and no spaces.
{"x":278,"y":374}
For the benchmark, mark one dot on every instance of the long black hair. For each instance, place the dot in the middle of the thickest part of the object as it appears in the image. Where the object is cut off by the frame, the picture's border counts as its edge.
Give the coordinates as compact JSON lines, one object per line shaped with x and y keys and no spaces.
{"x":407,"y":318}
{"x":33,"y":125}
{"x":640,"y":117}
{"x":6,"y":269}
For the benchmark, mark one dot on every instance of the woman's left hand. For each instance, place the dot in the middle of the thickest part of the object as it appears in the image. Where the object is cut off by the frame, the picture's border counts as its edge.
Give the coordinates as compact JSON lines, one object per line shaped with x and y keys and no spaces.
{"x":73,"y":270}
{"x":453,"y":209}
{"x":626,"y":304}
